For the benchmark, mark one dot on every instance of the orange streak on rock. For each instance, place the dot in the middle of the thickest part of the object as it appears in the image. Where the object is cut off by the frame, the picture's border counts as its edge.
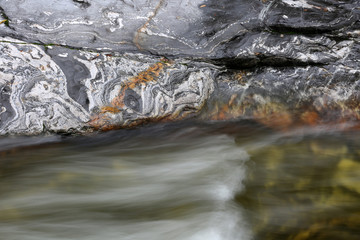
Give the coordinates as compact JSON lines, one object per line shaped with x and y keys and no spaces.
{"x":310,"y":118}
{"x":143,"y":27}
{"x":149,"y":75}
{"x":102,"y":119}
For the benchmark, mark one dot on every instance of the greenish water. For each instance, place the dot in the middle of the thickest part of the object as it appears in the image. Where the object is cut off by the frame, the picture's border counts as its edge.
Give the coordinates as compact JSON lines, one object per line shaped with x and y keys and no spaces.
{"x":182,"y":181}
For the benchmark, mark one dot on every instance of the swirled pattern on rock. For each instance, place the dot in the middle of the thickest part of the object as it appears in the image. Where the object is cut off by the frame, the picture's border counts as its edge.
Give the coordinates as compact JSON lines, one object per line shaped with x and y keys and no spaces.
{"x":34,"y":92}
{"x":98,"y":65}
{"x":97,"y":90}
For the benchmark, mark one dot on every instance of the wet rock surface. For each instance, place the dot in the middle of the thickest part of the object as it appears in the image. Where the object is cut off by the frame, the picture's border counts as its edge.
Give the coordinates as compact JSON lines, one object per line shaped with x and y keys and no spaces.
{"x":78,"y":66}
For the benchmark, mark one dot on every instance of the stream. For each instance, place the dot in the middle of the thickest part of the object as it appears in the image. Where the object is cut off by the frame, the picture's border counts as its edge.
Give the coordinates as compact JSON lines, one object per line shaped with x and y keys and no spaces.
{"x":196,"y":181}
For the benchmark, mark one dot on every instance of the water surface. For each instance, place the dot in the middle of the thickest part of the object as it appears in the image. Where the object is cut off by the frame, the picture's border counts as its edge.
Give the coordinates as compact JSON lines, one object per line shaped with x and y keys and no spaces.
{"x":237,"y":180}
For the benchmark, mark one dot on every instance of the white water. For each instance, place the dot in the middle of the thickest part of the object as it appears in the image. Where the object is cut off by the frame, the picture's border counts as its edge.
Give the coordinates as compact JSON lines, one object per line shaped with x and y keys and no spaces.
{"x":171,"y":187}
{"x":232,"y":181}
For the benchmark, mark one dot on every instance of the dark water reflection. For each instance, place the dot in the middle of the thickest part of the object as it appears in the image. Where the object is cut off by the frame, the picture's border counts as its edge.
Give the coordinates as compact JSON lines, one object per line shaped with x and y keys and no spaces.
{"x":184,"y":181}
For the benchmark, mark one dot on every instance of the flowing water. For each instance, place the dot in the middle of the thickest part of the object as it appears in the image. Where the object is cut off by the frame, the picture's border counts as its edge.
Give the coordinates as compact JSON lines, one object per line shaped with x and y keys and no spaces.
{"x":216,"y":181}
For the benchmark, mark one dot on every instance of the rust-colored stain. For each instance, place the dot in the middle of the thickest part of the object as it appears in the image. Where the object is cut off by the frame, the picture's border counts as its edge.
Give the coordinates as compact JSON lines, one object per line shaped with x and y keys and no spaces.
{"x":110,"y":109}
{"x":273,"y":112}
{"x":102,"y":120}
{"x":269,"y":111}
{"x":240,"y":77}
{"x":311,"y":118}
{"x":143,"y":27}
{"x":279,"y":116}
{"x":227,"y":110}
{"x":273,"y":115}
{"x":223,"y":113}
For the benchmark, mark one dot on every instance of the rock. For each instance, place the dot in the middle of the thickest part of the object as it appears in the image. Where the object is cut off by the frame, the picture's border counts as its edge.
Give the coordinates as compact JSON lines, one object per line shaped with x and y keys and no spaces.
{"x":61,"y":89}
{"x":284,"y":97}
{"x":75,"y":66}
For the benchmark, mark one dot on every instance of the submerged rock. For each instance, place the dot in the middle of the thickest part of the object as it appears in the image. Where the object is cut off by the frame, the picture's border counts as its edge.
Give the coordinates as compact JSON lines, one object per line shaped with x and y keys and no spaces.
{"x":75,"y":66}
{"x":303,"y":188}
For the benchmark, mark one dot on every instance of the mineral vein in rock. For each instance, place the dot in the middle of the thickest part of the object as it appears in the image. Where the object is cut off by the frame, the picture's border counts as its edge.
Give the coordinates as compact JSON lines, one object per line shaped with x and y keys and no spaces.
{"x":114,"y":91}
{"x":78,"y":66}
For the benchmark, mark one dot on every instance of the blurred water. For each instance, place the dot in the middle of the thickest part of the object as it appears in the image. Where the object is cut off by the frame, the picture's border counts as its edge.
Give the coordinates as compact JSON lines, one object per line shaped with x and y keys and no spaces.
{"x":181,"y":181}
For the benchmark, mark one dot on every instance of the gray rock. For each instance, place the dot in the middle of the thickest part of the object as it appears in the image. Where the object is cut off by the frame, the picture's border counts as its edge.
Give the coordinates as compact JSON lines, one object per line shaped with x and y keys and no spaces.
{"x":98,"y":90}
{"x":81,"y":65}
